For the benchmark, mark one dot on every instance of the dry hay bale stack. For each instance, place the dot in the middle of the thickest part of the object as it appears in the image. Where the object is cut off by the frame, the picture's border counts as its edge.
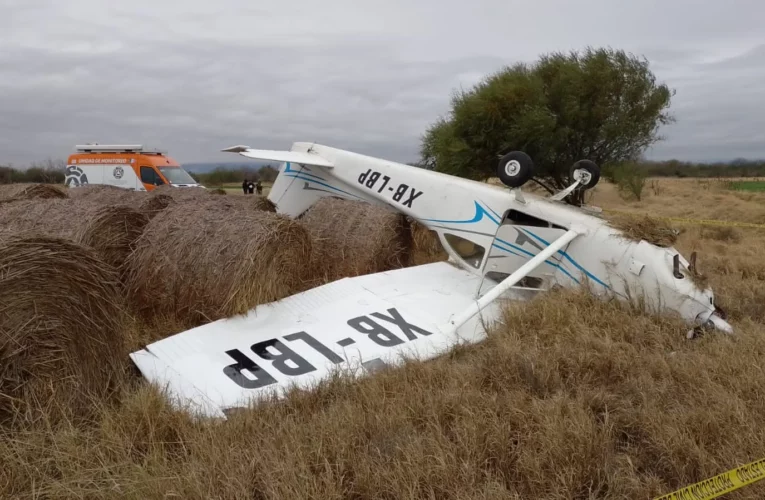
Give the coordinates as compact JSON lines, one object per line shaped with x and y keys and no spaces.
{"x":352,"y":238}
{"x":149,"y":203}
{"x":213,"y":259}
{"x":108,"y":195}
{"x":254,"y":201}
{"x":158,"y":202}
{"x":426,"y":247}
{"x":258,"y":202}
{"x":182,"y":194}
{"x":29,"y":191}
{"x":155,"y":203}
{"x":61,"y":218}
{"x":112,"y":232}
{"x":61,"y":330}
{"x":109,"y":230}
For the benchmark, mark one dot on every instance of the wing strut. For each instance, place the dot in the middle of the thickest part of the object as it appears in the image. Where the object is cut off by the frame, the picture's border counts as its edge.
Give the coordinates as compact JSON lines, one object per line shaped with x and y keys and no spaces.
{"x":460,"y":319}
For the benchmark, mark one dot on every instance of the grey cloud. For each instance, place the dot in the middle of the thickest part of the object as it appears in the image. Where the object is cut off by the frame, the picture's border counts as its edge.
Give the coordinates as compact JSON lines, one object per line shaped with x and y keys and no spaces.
{"x":192,"y":102}
{"x":720,"y":108}
{"x":367,"y":76}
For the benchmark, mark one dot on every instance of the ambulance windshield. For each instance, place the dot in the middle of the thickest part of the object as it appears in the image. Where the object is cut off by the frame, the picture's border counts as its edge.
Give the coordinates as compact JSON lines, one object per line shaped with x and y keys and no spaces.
{"x":177,"y":175}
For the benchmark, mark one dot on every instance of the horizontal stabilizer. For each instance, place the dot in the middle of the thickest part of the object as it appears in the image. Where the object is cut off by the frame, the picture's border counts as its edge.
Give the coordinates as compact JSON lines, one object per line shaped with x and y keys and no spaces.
{"x":281,"y":156}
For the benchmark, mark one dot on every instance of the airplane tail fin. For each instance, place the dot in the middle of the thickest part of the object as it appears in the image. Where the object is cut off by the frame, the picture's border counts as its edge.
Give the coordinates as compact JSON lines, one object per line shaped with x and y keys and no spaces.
{"x":302,"y":181}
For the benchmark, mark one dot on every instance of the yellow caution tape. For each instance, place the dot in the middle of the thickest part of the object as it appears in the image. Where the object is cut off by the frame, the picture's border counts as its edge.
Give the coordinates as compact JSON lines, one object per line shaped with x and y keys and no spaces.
{"x":721,"y":484}
{"x":703,"y":222}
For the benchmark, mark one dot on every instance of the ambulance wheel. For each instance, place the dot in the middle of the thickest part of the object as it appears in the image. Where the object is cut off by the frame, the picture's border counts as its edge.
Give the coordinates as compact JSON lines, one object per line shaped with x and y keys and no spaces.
{"x":515,"y":169}
{"x":589,"y":172}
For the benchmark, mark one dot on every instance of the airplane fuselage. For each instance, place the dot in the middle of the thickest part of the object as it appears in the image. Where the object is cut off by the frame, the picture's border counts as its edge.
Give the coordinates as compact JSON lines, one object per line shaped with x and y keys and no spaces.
{"x":491,"y":231}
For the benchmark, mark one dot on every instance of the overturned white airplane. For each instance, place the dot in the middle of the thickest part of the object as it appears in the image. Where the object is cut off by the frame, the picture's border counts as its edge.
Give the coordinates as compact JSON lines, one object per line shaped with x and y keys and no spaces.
{"x":506,"y":245}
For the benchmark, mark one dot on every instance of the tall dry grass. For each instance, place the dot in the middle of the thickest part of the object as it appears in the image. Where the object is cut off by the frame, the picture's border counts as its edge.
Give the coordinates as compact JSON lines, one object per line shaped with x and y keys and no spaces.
{"x":570,"y":398}
{"x":687,"y":198}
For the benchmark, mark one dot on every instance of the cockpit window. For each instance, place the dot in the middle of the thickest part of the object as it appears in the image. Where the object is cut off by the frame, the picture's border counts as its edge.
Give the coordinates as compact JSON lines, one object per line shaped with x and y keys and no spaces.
{"x":523,"y":219}
{"x":469,"y":251}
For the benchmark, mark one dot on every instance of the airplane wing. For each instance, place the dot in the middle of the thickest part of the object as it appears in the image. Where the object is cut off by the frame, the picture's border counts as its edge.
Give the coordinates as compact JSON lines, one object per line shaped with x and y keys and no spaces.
{"x":281,"y":156}
{"x":359,"y":323}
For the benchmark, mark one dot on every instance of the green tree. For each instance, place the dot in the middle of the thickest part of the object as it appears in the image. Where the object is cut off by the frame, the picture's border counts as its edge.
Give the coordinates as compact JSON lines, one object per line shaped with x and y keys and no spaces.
{"x":602,"y":105}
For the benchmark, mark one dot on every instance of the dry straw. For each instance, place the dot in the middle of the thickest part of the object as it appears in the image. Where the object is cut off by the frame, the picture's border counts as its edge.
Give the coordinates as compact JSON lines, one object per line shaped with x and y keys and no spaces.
{"x":353,"y":238}
{"x":109,"y":230}
{"x":426,"y":247}
{"x":46,"y":217}
{"x":106,"y":194}
{"x":28,"y":191}
{"x":182,"y":194}
{"x":160,"y":198}
{"x":155,"y":204}
{"x":215,"y":258}
{"x":112,"y":232}
{"x":61,"y":321}
{"x":653,"y":230}
{"x":150,"y":204}
{"x":255,"y":202}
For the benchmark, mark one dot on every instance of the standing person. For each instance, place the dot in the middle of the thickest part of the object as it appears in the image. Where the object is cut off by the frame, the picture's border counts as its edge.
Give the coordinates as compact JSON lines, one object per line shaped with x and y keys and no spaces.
{"x":259,"y":187}
{"x":244,"y":186}
{"x":251,"y":187}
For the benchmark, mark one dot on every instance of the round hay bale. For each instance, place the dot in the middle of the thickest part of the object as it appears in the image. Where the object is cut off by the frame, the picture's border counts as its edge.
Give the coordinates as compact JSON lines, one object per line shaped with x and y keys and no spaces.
{"x":61,"y":218}
{"x":256,"y":202}
{"x":215,"y":258}
{"x":28,"y":191}
{"x":182,"y":194}
{"x":262,"y":203}
{"x":426,"y":247}
{"x":105,"y":194}
{"x":352,"y":238}
{"x":61,"y":330}
{"x":112,"y":232}
{"x":155,"y":204}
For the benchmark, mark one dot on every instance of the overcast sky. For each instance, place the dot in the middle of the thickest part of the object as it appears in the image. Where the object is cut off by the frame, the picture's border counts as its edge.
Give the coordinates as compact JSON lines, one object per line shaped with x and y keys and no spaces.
{"x":196,"y":76}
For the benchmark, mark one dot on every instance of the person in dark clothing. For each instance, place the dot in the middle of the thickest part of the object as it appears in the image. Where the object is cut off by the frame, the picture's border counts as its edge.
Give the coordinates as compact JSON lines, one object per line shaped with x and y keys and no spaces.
{"x":244,"y":186}
{"x":250,"y":187}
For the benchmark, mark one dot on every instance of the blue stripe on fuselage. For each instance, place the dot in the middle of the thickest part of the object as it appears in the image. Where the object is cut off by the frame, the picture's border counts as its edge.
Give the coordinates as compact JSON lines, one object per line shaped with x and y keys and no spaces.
{"x":568,"y":258}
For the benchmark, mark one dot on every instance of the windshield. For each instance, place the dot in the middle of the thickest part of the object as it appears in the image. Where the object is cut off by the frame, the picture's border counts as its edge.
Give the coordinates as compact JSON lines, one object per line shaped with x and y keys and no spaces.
{"x":177,"y":175}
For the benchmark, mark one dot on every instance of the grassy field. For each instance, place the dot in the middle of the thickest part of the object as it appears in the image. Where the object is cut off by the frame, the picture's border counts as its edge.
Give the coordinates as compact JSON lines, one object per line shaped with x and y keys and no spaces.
{"x":756,"y":186}
{"x":569,"y":398}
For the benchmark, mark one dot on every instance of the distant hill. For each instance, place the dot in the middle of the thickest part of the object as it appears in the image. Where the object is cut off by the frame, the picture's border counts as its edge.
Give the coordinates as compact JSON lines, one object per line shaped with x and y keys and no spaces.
{"x":207,"y":167}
